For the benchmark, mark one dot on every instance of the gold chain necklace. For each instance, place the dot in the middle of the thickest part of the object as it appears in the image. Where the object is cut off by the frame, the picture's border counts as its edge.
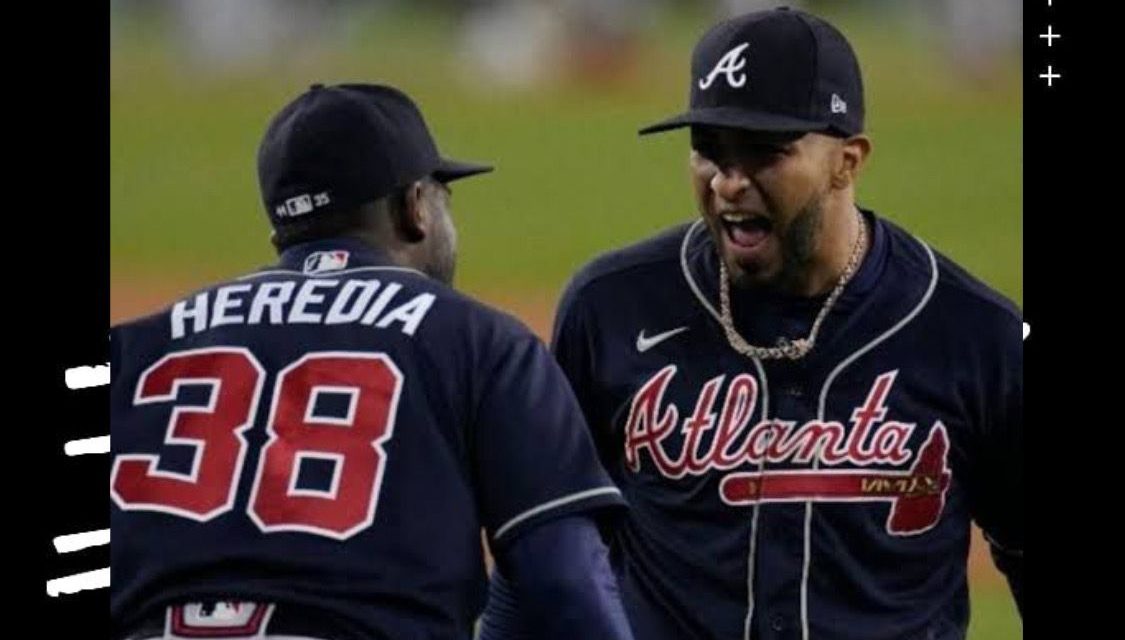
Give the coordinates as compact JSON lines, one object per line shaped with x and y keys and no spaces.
{"x":791,"y":349}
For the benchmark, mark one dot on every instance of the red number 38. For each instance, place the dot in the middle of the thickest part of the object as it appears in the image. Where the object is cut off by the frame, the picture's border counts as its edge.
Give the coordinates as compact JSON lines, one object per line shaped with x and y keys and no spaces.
{"x":352,"y":443}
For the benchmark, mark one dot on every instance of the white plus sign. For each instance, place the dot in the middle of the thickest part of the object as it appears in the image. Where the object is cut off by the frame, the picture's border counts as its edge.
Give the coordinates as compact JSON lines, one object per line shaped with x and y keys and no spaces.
{"x":1050,"y":75}
{"x":1050,"y":35}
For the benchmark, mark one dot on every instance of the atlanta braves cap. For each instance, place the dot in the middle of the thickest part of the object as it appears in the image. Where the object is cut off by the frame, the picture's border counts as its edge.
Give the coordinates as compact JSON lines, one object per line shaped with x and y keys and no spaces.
{"x":336,"y":147}
{"x":774,"y":70}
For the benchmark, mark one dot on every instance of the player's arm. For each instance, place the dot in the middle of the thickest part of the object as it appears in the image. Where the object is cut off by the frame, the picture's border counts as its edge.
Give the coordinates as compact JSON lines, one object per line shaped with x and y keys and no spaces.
{"x":539,"y":485}
{"x":560,"y":586}
{"x":574,"y":346}
{"x":997,"y":485}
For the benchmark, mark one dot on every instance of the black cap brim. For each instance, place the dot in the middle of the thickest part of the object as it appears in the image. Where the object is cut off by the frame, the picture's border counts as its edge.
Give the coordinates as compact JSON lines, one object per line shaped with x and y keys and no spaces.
{"x":737,"y":118}
{"x":450,"y":170}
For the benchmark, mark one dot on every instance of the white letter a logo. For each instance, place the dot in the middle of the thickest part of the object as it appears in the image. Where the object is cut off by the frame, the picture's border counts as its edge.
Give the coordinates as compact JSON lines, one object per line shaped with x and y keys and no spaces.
{"x":731,"y":63}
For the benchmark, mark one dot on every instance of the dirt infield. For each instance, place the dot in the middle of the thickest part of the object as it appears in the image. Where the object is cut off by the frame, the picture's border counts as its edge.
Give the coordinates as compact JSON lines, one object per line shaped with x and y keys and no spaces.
{"x":136,"y":296}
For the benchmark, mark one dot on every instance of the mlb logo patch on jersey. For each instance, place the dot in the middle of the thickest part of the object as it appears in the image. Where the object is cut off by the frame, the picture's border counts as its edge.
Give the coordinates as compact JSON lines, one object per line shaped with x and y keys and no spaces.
{"x":321,"y":261}
{"x":217,"y":618}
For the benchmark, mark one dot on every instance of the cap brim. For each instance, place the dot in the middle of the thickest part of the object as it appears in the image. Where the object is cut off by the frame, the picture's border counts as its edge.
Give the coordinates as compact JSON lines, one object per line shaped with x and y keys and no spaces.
{"x":736,"y":118}
{"x":450,"y":170}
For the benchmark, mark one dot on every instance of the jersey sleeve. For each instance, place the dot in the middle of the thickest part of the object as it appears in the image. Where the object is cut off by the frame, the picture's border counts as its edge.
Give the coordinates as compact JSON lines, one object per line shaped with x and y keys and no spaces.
{"x":997,"y":486}
{"x":534,"y":458}
{"x":574,"y":345}
{"x":561,"y":587}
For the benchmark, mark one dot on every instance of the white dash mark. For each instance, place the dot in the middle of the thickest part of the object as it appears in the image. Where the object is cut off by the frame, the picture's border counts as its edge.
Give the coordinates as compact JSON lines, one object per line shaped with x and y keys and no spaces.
{"x":83,"y":377}
{"x":1026,"y":330}
{"x":97,"y":579}
{"x":87,"y":446}
{"x":80,"y":541}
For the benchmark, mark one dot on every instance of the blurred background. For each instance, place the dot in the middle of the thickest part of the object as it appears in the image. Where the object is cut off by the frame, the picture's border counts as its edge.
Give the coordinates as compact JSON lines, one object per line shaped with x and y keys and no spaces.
{"x":552,"y":93}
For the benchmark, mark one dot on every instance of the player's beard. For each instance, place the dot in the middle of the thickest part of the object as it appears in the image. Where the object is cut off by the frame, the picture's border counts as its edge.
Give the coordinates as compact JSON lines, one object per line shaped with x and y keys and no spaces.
{"x":798,"y":243}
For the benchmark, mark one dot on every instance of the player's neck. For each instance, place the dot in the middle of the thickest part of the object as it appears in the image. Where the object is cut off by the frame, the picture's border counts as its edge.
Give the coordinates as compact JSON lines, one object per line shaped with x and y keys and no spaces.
{"x":835,"y":247}
{"x":383,"y":241}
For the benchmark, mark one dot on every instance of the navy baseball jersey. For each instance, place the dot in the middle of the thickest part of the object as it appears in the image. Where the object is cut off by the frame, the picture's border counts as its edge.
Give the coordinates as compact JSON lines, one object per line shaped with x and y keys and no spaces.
{"x":827,"y":497}
{"x":334,"y":433}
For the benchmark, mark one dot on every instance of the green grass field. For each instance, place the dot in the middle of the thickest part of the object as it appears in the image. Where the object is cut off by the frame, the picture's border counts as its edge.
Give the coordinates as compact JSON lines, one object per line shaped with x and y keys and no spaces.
{"x":572,"y":178}
{"x":993,"y":615}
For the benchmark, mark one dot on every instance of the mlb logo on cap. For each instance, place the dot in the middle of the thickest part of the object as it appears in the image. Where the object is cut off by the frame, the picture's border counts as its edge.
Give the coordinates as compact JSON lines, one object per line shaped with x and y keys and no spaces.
{"x":298,"y":205}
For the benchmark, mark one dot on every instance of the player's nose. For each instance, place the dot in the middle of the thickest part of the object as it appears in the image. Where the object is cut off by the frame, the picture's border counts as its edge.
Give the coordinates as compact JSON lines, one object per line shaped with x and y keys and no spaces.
{"x":730,"y":183}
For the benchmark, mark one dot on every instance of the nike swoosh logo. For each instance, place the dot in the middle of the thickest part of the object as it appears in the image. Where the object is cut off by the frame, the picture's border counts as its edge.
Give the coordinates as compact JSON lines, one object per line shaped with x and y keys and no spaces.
{"x":644,"y":344}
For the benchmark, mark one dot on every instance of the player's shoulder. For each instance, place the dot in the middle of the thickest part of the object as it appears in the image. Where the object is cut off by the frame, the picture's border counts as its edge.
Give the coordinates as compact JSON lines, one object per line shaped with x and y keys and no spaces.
{"x":126,"y":336}
{"x":955,"y":293}
{"x":475,"y":317}
{"x":956,"y":282}
{"x":618,"y":271}
{"x":153,"y":321}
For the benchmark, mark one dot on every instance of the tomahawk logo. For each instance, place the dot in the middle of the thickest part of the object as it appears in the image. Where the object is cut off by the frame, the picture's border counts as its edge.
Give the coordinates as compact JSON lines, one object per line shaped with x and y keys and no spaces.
{"x":731,"y":65}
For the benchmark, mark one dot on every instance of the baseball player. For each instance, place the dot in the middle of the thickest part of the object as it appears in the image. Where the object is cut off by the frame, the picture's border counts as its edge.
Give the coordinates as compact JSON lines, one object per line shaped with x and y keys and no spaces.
{"x":805,"y":405}
{"x":310,"y":451}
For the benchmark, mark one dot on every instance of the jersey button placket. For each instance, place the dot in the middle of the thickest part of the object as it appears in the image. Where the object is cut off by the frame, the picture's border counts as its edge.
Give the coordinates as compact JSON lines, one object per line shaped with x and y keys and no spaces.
{"x":752,"y":579}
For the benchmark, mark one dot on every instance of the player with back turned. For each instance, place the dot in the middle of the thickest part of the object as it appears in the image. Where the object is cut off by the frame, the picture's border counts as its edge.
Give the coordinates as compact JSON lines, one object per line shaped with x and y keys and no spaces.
{"x":311,"y":450}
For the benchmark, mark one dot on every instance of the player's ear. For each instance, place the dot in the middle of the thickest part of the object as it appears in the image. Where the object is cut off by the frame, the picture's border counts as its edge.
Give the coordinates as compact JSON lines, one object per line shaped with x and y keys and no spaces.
{"x":852,"y":156}
{"x":411,"y":217}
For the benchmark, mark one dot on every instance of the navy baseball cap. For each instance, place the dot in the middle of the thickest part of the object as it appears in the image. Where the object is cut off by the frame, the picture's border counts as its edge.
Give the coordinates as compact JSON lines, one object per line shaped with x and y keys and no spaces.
{"x":336,"y":147}
{"x":774,"y":70}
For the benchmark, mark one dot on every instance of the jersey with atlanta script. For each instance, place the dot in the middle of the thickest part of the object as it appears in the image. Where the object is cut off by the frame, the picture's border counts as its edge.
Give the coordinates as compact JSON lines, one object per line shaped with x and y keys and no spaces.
{"x":826,"y":497}
{"x":333,"y":433}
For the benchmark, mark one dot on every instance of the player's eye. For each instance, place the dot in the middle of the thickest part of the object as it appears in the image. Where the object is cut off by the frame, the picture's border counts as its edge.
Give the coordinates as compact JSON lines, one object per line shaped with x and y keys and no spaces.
{"x":711,"y":154}
{"x":765,"y":150}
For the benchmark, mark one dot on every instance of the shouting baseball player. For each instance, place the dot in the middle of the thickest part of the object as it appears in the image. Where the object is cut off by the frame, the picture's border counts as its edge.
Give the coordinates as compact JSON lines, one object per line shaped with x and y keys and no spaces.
{"x":310,"y":451}
{"x":805,"y":405}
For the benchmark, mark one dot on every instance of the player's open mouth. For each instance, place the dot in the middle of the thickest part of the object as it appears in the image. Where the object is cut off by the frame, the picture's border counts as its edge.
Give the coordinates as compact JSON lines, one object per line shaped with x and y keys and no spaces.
{"x":746,"y":229}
